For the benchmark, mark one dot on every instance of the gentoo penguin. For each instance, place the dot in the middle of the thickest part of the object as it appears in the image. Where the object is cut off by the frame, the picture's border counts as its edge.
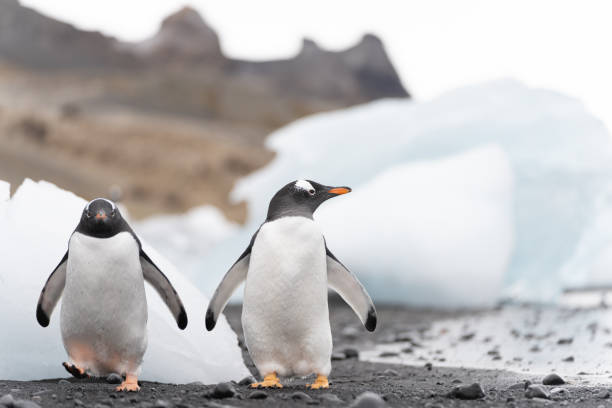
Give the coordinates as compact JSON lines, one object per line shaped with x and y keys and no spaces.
{"x":288,"y":268}
{"x":103,"y":317}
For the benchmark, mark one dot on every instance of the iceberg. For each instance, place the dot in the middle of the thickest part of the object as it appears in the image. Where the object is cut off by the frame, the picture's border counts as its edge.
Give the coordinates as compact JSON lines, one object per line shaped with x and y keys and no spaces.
{"x":522,"y":213}
{"x":35,"y":225}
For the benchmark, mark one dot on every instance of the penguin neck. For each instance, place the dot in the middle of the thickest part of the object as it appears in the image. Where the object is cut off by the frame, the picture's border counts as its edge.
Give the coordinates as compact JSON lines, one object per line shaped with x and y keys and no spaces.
{"x":279,"y":209}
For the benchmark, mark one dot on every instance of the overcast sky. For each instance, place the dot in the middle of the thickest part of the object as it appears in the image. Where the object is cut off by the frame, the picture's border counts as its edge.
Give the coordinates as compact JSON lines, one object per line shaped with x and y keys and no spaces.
{"x":436,"y":45}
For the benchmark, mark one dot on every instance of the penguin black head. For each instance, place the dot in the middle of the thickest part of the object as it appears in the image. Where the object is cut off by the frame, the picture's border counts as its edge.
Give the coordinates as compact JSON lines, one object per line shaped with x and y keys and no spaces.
{"x":301,"y":198}
{"x":101,"y":218}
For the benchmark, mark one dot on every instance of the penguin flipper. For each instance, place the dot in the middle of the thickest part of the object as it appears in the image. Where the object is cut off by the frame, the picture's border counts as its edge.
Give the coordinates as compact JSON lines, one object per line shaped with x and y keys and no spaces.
{"x":51,"y":292}
{"x":232,"y":279}
{"x":162,"y":285}
{"x":346,"y":284}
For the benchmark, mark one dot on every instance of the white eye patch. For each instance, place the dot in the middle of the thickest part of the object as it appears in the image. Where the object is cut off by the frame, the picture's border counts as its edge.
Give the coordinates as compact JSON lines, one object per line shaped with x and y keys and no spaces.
{"x":108,"y":201}
{"x":304,"y":185}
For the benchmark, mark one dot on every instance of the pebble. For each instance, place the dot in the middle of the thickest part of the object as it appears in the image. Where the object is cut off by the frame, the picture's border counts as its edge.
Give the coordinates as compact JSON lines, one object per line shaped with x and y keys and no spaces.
{"x":247,"y":381}
{"x":467,"y":336}
{"x":7,"y":400}
{"x":536,"y":391}
{"x":467,"y":392}
{"x":369,"y":400}
{"x":391,"y":372}
{"x":25,"y":404}
{"x":299,"y":395}
{"x":569,"y":359}
{"x":553,"y":379}
{"x":408,"y":350}
{"x":520,"y":386}
{"x":351,"y":332}
{"x":63,"y":382}
{"x":603,"y":394}
{"x":114,"y":378}
{"x":338,"y":356}
{"x":223,"y":390}
{"x":160,"y":403}
{"x":559,"y":393}
{"x":535,"y":349}
{"x":388,"y":354}
{"x":428,"y":366}
{"x":101,"y":406}
{"x":351,"y":353}
{"x":568,"y":340}
{"x":331,"y":398}
{"x":258,"y":394}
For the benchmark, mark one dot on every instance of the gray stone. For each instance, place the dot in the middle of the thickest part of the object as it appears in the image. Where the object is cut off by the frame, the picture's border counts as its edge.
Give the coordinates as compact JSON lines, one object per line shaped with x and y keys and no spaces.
{"x":603,"y":394}
{"x":369,"y":400}
{"x":160,"y":403}
{"x":391,"y":372}
{"x":351,"y":353}
{"x":536,"y":391}
{"x":331,"y":398}
{"x":114,"y":378}
{"x":63,"y":382}
{"x":247,"y":381}
{"x":7,"y":400}
{"x":25,"y":404}
{"x":258,"y":394}
{"x":338,"y":356}
{"x":553,"y":379}
{"x":298,"y":395}
{"x":467,"y":392}
{"x":223,"y":390}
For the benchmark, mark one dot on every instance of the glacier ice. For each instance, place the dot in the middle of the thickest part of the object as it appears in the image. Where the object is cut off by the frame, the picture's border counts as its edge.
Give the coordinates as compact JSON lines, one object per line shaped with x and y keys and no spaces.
{"x":185,"y":237}
{"x":35,"y":225}
{"x":400,"y":230}
{"x":560,"y":163}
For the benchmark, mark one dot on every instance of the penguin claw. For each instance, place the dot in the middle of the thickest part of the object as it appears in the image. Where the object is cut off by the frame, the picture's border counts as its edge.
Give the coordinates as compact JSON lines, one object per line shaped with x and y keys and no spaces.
{"x":270,"y":381}
{"x":129,"y":384}
{"x":320,"y":382}
{"x":76,"y":372}
{"x":128,"y":387}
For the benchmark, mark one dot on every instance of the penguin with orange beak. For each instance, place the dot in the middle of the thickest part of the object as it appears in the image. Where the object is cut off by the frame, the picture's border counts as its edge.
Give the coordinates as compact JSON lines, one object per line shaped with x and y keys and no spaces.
{"x":288,"y":269}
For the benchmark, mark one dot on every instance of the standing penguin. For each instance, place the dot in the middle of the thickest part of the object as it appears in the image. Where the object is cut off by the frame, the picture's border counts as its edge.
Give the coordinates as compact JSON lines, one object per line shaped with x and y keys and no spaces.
{"x":104,"y":308}
{"x":288,"y":268}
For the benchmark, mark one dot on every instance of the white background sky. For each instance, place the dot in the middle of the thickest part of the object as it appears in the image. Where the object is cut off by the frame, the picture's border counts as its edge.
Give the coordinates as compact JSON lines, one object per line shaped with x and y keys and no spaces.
{"x":436,"y":45}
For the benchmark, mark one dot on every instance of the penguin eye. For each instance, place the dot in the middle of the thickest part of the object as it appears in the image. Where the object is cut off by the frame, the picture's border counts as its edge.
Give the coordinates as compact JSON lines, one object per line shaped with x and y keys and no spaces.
{"x":311,"y":191}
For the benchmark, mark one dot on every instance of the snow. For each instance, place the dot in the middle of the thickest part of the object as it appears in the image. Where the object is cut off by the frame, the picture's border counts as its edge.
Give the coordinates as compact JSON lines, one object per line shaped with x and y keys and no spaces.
{"x":521,"y":339}
{"x":35,"y":225}
{"x":396,"y":226}
{"x":185,"y":237}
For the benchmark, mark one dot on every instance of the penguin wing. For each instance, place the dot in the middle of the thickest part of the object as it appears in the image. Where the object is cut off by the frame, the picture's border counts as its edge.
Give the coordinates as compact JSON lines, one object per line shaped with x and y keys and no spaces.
{"x":162,"y":285}
{"x":232,"y":279}
{"x":346,"y":284}
{"x":51,"y":292}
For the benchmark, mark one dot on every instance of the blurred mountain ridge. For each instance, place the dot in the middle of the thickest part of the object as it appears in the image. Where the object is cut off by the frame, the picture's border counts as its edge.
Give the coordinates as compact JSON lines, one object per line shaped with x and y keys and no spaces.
{"x":175,"y":121}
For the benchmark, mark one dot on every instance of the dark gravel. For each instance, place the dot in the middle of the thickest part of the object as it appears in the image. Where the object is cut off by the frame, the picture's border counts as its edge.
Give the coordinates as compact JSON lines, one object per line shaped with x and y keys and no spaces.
{"x":427,"y":385}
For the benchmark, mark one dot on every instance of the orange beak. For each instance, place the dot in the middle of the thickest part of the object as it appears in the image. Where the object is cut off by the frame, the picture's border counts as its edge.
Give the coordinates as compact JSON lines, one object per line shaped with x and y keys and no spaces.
{"x":100,"y":216}
{"x":339,"y":190}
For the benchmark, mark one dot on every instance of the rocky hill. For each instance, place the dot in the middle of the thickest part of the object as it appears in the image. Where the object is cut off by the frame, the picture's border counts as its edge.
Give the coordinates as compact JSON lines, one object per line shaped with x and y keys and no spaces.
{"x":171,"y":122}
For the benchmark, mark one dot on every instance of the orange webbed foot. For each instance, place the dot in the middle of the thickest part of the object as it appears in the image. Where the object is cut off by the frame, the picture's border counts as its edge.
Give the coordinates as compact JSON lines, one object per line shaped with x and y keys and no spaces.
{"x":269,"y":381}
{"x":320,"y":382}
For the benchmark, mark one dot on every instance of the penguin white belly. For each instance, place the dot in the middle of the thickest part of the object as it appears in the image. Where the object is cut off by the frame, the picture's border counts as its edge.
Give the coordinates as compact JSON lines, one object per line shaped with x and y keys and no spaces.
{"x":104,"y":307}
{"x":285,"y":313}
